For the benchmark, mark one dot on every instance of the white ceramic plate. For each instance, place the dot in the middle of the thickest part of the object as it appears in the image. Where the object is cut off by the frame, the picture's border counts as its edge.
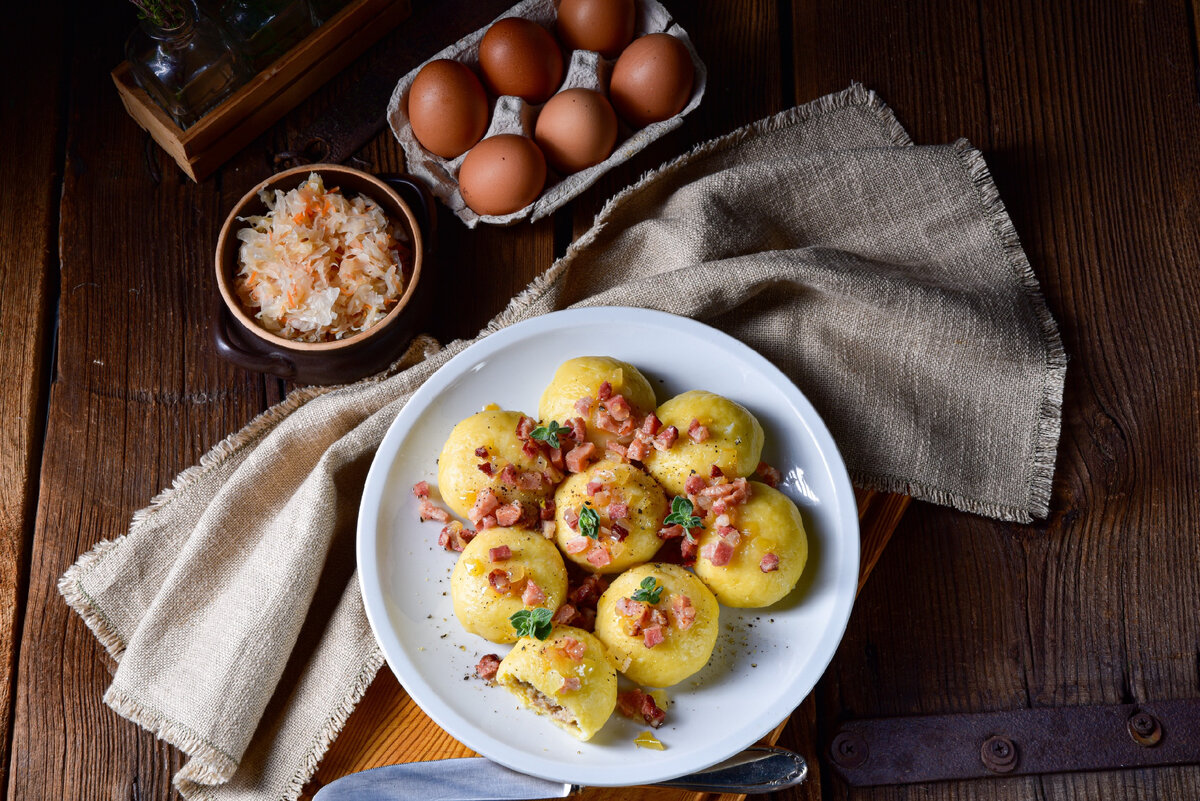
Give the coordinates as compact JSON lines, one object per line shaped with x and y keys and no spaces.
{"x":766,"y":661}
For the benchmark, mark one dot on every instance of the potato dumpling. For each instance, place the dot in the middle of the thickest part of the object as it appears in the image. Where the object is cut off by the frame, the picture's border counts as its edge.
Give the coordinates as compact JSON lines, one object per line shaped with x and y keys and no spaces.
{"x":768,"y":558}
{"x":460,"y":479}
{"x":581,"y":378}
{"x":629,"y":508}
{"x":488,"y":585}
{"x":732,"y":439}
{"x":567,"y":678}
{"x":662,"y":639}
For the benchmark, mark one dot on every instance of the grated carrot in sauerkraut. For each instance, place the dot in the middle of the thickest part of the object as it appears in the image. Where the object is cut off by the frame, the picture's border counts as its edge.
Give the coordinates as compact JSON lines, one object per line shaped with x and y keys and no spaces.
{"x":320,"y":266}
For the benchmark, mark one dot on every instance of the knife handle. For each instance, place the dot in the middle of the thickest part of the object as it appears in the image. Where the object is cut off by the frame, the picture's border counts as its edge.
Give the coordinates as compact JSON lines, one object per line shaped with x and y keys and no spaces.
{"x":760,"y":769}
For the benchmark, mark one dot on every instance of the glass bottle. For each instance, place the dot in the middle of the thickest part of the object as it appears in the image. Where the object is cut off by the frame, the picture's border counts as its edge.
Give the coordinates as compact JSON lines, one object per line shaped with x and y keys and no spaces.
{"x":187,"y":68}
{"x":266,"y":29}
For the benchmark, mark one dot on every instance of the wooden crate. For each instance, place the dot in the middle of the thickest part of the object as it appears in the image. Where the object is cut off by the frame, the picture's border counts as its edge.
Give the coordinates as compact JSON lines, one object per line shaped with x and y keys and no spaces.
{"x":253,"y":108}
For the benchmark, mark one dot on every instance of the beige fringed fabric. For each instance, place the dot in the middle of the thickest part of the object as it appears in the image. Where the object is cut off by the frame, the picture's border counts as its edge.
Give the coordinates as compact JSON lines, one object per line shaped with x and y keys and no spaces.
{"x":885,"y":279}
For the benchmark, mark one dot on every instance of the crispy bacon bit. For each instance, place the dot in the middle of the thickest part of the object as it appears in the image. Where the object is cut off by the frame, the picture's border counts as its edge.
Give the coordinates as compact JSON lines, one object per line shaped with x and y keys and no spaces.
{"x":619,"y":532}
{"x":531,"y":448}
{"x":716,"y":472}
{"x":617,"y":448}
{"x":671,"y":532}
{"x":605,"y":391}
{"x":509,"y":514}
{"x":640,"y":705}
{"x":695,"y":484}
{"x":588,"y":591}
{"x":569,"y":684}
{"x":618,"y":511}
{"x":769,"y":562}
{"x":571,"y":516}
{"x":530,"y":480}
{"x":500,"y":553}
{"x":651,"y":424}
{"x":421,"y":489}
{"x":769,"y":475}
{"x":578,"y":428}
{"x":454,"y":537}
{"x":719,"y":552}
{"x":638,"y":610}
{"x":688,"y":549}
{"x":652,"y":636}
{"x":525,"y":427}
{"x":606,"y":422}
{"x":599,"y":556}
{"x":577,"y":545}
{"x":489,"y":521}
{"x":573,"y":648}
{"x":556,"y":457}
{"x":618,"y":407}
{"x":564,"y":614}
{"x":684,"y":612}
{"x":533,"y":594}
{"x":498,"y":578}
{"x":583,"y":407}
{"x":509,"y":475}
{"x":580,"y":456}
{"x":697,"y":432}
{"x":657,"y":617}
{"x":638,"y":450}
{"x":664,"y":439}
{"x":485,"y":468}
{"x":431,"y":511}
{"x":585,"y":619}
{"x":547,"y":510}
{"x":593,"y":487}
{"x":481,"y":452}
{"x":549,"y":529}
{"x":487,"y":667}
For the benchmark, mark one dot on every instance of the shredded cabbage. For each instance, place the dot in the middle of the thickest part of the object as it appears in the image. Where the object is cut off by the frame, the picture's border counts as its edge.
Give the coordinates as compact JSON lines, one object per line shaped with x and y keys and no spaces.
{"x":320,"y":266}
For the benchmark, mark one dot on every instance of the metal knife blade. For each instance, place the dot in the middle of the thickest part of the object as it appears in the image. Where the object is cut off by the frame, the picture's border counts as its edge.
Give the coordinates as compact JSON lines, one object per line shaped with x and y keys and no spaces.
{"x":761,"y":769}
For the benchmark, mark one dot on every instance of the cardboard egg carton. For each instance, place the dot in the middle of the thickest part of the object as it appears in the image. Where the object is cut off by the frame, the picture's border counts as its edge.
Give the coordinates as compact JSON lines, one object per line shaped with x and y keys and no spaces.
{"x":586,"y":70}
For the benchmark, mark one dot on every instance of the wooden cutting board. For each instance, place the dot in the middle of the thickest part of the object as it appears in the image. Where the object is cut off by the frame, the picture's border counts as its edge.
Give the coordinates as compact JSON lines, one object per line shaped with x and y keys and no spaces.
{"x":388,"y":727}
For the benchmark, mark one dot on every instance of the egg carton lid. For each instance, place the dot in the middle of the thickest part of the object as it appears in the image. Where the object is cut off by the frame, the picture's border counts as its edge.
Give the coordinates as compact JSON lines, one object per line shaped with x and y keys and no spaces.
{"x":586,"y":70}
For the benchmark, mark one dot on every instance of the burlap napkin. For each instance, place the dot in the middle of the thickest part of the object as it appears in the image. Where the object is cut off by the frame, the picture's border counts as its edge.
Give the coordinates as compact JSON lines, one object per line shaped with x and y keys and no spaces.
{"x":885,"y":279}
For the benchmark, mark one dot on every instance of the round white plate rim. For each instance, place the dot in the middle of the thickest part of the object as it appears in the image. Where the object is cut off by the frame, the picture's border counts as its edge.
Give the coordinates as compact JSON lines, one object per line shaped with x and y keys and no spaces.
{"x":367,"y":539}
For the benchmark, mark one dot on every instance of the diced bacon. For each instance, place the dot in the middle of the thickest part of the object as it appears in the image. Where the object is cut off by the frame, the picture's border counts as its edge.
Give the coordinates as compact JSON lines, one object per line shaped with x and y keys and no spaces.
{"x":509,"y":514}
{"x":628,"y":426}
{"x":571,"y":516}
{"x":487,"y":667}
{"x":619,"y":532}
{"x":585,"y":619}
{"x":599,"y":556}
{"x":652,"y":636}
{"x":688,"y":549}
{"x":618,"y":511}
{"x":719,"y":552}
{"x":641,"y":706}
{"x":573,"y":648}
{"x":580,"y":456}
{"x":606,"y":422}
{"x":509,"y":475}
{"x":525,"y":427}
{"x":498,"y":578}
{"x":605,"y":391}
{"x":730,"y":535}
{"x":564,"y":615}
{"x":651,"y":424}
{"x":719,"y":507}
{"x":577,"y":545}
{"x":721,"y":490}
{"x":593,"y":487}
{"x":769,"y":562}
{"x":721,"y":521}
{"x":547,"y":510}
{"x":617,"y":448}
{"x":486,"y":468}
{"x":769,"y":475}
{"x":583,"y":407}
{"x":637,"y":610}
{"x":570,"y":683}
{"x":454,"y":537}
{"x":421,"y":489}
{"x":431,"y":511}
{"x":695,"y":484}
{"x":531,"y":448}
{"x":618,"y":407}
{"x":664,"y":439}
{"x":588,"y":591}
{"x":716,"y":472}
{"x":684,"y":612}
{"x":601,"y":499}
{"x":481,"y":452}
{"x":533,"y":594}
{"x":549,"y":529}
{"x":670,"y":532}
{"x":500,"y":553}
{"x":579,"y":428}
{"x":638,"y":450}
{"x":552,"y":475}
{"x":651,"y":712}
{"x":556,"y":458}
{"x":697,"y":432}
{"x":489,"y":521}
{"x":530,"y":480}
{"x":657,"y":618}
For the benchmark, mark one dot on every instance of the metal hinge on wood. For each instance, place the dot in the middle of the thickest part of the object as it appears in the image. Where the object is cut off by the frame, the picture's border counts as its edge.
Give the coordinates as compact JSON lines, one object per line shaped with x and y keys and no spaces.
{"x":1021,"y":742}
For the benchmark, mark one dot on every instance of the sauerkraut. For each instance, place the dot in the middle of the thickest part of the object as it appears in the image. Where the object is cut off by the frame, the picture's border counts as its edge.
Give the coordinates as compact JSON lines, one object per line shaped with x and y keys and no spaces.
{"x":320,"y":266}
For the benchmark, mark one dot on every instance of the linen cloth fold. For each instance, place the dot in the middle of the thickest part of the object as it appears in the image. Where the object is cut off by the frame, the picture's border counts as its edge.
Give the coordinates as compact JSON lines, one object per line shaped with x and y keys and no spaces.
{"x":884,"y":278}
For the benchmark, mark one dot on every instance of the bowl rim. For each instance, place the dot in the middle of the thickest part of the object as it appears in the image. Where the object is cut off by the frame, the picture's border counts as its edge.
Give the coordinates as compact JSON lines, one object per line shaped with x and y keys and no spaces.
{"x":225,"y":271}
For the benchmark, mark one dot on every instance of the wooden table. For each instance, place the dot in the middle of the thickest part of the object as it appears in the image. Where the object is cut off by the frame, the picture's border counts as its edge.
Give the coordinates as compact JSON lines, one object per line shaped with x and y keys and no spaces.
{"x":1090,"y":120}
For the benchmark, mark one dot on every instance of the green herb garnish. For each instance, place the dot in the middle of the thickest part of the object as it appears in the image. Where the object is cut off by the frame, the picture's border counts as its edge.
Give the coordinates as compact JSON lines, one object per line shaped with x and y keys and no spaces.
{"x":647,"y":591}
{"x":681,"y":514}
{"x":532,"y":622}
{"x":549,"y":434}
{"x":589,"y":523}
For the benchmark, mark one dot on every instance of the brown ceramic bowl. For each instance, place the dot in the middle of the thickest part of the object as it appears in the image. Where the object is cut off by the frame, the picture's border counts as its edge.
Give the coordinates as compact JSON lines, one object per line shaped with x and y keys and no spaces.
{"x":241,"y":340}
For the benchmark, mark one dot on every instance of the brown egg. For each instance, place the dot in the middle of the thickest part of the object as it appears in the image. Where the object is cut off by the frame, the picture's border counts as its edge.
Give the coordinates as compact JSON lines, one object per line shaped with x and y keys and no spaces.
{"x":448,"y":108}
{"x":519,"y":57}
{"x":502,"y":174}
{"x":576,"y":129}
{"x":652,"y":80}
{"x":605,"y":26}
